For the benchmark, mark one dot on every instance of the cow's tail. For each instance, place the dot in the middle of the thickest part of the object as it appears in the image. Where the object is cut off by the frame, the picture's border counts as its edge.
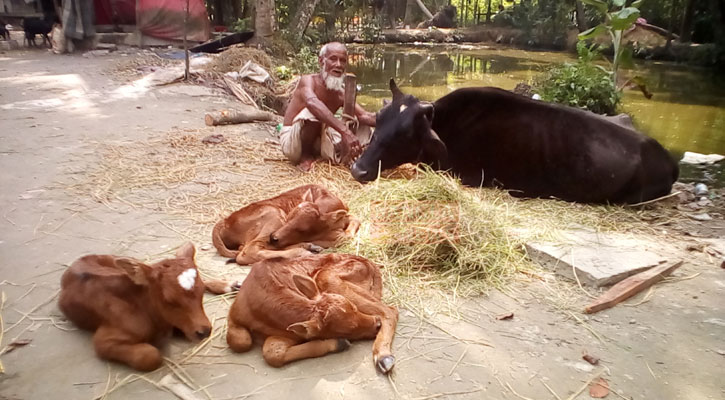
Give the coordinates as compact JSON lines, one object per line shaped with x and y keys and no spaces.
{"x":216,"y":238}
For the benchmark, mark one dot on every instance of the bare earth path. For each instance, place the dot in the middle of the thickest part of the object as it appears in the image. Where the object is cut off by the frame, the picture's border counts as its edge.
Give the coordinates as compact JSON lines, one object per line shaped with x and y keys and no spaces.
{"x":55,"y":111}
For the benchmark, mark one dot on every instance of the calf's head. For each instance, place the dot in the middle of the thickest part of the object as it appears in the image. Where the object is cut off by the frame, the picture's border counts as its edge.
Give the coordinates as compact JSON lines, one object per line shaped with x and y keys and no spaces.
{"x":333,"y":316}
{"x":305,"y":223}
{"x":175,"y":291}
{"x":402,"y":134}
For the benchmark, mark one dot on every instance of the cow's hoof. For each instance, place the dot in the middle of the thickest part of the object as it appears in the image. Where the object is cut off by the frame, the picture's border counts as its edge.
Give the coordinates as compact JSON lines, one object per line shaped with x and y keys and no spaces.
{"x":231,"y":261}
{"x":386,"y":364}
{"x":235,"y":286}
{"x":314,"y":248}
{"x":342,"y":345}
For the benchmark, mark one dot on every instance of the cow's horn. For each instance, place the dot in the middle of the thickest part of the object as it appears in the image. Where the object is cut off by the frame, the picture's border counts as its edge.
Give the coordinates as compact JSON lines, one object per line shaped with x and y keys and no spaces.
{"x":394,"y":88}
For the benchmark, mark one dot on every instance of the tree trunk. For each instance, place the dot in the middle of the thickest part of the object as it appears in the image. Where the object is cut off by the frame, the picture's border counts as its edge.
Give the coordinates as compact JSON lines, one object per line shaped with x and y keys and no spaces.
{"x":686,"y":29}
{"x":302,"y":17}
{"x":246,"y":9}
{"x":409,"y":12}
{"x":673,"y":15}
{"x":581,"y":21}
{"x":236,"y":9}
{"x":264,"y":21}
{"x":218,"y":12}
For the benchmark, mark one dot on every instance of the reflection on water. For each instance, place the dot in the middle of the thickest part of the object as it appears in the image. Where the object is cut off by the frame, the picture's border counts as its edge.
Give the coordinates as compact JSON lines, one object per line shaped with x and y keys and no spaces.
{"x":686,"y":112}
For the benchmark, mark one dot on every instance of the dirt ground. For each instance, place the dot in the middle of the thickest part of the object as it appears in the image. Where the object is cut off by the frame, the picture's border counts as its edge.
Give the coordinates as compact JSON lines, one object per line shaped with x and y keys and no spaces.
{"x":55,"y":112}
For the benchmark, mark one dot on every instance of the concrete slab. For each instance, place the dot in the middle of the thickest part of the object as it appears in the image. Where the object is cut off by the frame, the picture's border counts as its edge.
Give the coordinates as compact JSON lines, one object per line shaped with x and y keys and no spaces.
{"x":599,"y":259}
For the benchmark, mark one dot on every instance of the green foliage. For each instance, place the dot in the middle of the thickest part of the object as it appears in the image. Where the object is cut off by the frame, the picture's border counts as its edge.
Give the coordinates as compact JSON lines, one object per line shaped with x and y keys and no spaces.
{"x":305,"y":61}
{"x":545,"y":19}
{"x":583,"y":84}
{"x":616,"y":21}
{"x":371,"y":30}
{"x":283,"y":73}
{"x":241,"y":25}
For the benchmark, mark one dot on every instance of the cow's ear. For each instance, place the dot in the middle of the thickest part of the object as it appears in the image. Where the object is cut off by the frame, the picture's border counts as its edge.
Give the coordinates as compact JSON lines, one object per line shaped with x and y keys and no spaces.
{"x":434,"y":147}
{"x":306,"y":329}
{"x":306,"y":286}
{"x":136,"y":270}
{"x":187,"y":250}
{"x":386,"y":102}
{"x":397,"y":94}
{"x":308,"y":196}
{"x":427,"y":110}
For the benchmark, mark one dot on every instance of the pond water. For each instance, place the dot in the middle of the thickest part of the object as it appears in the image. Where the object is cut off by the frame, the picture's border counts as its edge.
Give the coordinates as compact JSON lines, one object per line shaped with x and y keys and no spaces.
{"x":685,"y":113}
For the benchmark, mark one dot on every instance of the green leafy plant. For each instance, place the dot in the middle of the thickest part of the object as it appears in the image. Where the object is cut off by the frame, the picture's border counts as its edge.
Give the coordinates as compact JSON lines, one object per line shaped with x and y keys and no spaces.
{"x":283,"y":73}
{"x":241,"y":25}
{"x":305,"y":61}
{"x":582,"y":84}
{"x":615,"y":23}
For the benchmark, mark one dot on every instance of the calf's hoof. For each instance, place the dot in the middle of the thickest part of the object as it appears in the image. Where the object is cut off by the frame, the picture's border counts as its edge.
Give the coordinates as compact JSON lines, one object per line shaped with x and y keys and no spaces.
{"x":235,"y":286}
{"x":314,"y":248}
{"x":342,"y":345}
{"x":385,"y":364}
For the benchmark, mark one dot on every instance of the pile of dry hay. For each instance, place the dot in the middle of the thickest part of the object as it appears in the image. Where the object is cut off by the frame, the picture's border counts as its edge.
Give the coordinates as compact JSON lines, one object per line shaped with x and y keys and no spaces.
{"x":271,"y":94}
{"x":427,"y":232}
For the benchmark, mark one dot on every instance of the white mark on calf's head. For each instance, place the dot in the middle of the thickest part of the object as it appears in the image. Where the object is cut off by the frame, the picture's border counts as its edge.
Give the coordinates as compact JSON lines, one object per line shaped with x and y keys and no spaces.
{"x":187,"y":278}
{"x":403,"y":107}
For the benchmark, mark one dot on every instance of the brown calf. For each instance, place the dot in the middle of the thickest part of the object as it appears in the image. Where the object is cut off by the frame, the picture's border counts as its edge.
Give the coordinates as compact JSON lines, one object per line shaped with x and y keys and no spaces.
{"x":296,"y":223}
{"x":308,"y":307}
{"x":130,"y":305}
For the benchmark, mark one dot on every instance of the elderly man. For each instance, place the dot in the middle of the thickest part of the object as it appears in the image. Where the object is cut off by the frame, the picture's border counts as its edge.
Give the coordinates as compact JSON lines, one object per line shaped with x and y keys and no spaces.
{"x":311,"y":129}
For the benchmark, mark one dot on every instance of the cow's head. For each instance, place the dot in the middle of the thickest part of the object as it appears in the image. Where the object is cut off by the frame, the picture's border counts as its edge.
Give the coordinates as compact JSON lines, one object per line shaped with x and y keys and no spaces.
{"x":334,"y":316}
{"x":175,"y":290}
{"x":402,"y":134}
{"x":306,"y":223}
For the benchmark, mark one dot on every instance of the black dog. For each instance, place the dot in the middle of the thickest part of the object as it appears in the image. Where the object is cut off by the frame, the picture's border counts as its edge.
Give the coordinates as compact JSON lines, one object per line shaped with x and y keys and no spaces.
{"x":4,"y":31}
{"x":36,"y":26}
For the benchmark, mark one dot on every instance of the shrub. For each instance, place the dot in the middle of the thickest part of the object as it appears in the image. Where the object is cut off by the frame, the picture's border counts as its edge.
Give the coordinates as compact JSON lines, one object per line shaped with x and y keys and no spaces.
{"x":582,"y":84}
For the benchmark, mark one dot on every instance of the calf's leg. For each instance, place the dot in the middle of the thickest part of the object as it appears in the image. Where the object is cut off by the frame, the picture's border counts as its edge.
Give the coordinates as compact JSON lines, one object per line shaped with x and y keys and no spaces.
{"x":115,"y":345}
{"x":238,"y":337}
{"x":278,"y":351}
{"x":221,"y":287}
{"x":256,"y":251}
{"x":355,"y":284}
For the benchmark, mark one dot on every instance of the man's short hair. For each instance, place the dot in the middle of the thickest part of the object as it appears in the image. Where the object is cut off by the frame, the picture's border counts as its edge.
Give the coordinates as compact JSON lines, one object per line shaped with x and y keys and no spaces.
{"x":323,"y":50}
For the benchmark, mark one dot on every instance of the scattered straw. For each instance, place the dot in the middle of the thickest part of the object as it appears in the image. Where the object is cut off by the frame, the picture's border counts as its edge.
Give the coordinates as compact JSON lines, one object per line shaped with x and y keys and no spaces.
{"x":446,"y":394}
{"x":439,"y":242}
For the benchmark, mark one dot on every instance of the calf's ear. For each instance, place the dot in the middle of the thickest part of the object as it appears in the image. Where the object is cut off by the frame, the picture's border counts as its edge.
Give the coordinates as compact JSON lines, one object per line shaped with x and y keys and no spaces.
{"x":306,"y":286}
{"x":136,"y":270}
{"x":334,"y":216}
{"x":308,"y":196}
{"x":186,"y":250}
{"x":305,"y":329}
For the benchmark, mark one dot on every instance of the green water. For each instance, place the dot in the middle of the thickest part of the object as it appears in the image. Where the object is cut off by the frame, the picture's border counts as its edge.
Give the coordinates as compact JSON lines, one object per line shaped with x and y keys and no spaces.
{"x":685,"y":113}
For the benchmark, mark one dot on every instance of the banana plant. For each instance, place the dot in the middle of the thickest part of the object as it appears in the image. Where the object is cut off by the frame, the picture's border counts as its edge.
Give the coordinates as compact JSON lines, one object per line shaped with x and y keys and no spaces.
{"x":616,"y":22}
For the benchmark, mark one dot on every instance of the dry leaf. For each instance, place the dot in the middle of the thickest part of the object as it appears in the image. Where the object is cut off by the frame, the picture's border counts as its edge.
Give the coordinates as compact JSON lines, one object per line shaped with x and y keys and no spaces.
{"x":505,"y":316}
{"x":599,"y":388}
{"x":593,"y":360}
{"x":18,"y":343}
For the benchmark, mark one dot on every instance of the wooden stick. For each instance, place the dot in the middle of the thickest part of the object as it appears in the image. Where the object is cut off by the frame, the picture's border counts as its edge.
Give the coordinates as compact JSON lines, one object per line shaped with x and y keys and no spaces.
{"x":348,"y":107}
{"x":631,"y":286}
{"x":236,"y":117}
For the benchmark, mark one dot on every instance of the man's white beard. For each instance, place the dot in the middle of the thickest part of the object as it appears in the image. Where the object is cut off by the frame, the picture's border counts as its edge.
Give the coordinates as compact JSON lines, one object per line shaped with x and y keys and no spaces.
{"x":333,"y":82}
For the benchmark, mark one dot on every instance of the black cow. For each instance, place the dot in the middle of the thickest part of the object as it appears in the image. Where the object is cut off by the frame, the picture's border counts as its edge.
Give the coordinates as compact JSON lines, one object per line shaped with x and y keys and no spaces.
{"x":492,"y":137}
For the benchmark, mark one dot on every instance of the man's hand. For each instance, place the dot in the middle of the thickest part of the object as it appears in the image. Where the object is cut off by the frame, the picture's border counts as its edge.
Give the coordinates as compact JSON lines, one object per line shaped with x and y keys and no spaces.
{"x":350,"y":147}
